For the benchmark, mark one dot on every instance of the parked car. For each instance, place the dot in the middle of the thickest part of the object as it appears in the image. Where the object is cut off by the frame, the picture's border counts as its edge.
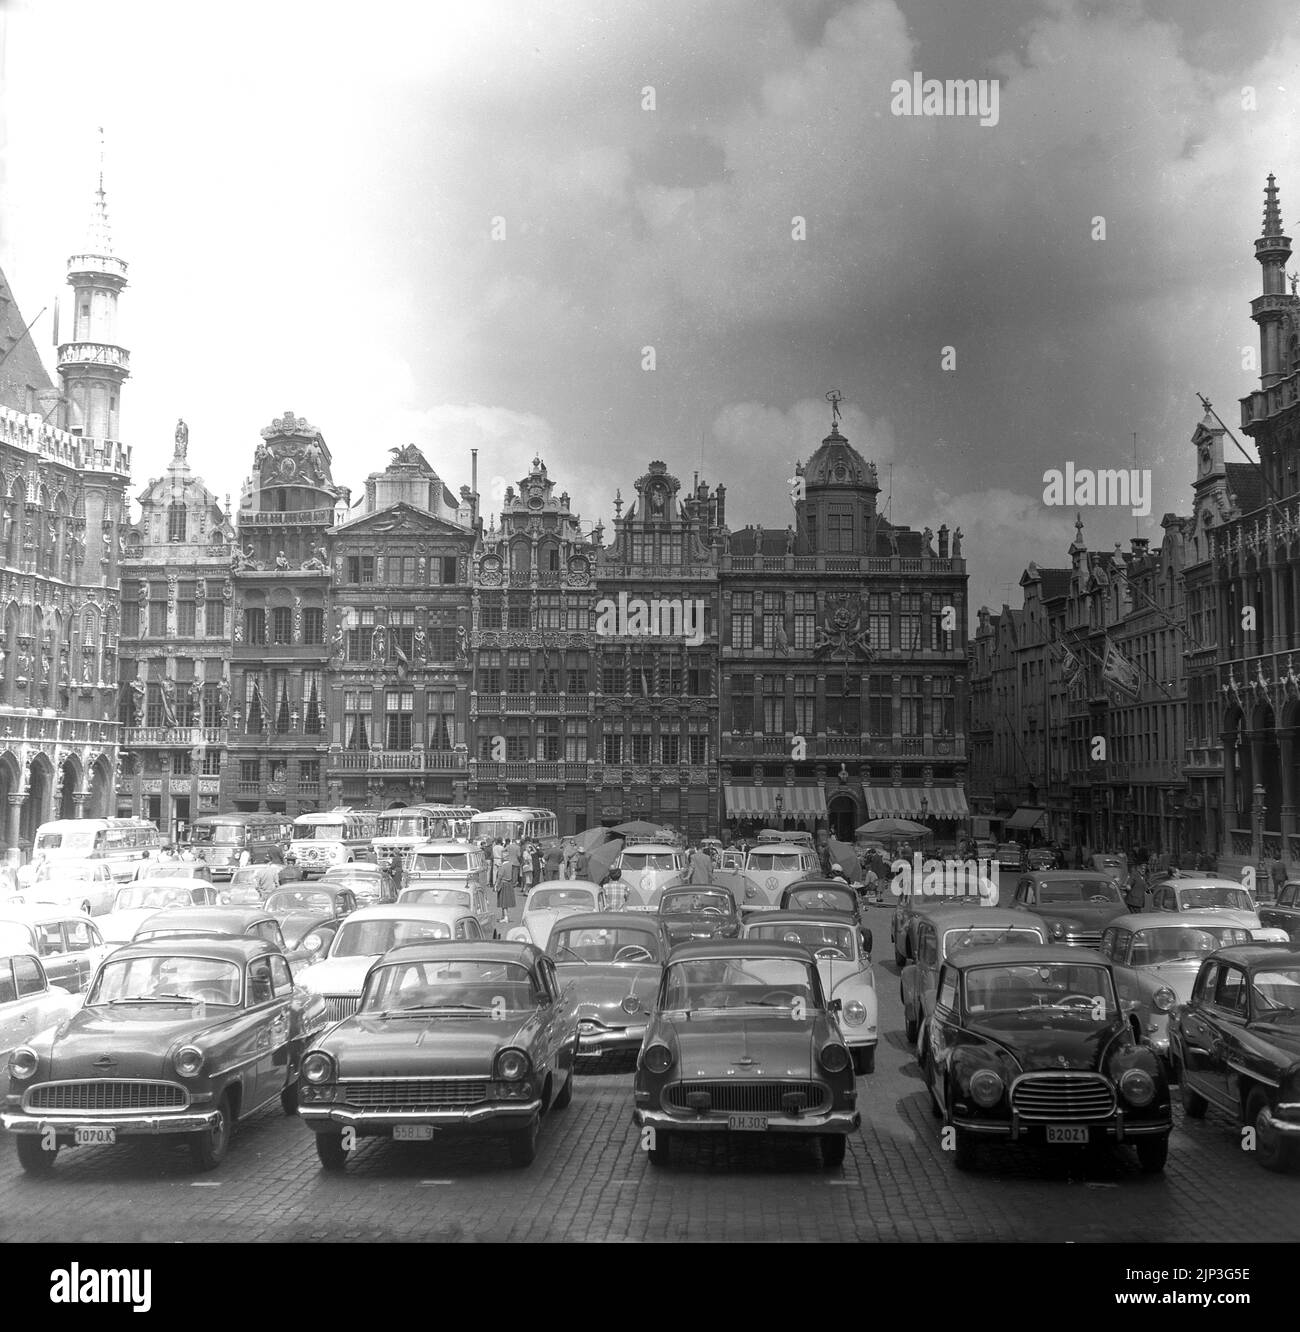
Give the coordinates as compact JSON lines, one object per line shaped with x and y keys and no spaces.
{"x":942,"y":927}
{"x":1076,"y":904}
{"x":68,"y":943}
{"x":1214,"y":899}
{"x":254,"y":922}
{"x":698,"y":911}
{"x":552,"y":902}
{"x":1155,"y":960}
{"x":368,"y":934}
{"x":309,"y":916}
{"x":1284,"y":913}
{"x":136,"y":901}
{"x":839,"y":947}
{"x":470,"y":898}
{"x":774,"y":865}
{"x":28,"y":1002}
{"x":459,"y":863}
{"x":644,"y":868}
{"x":743,"y":1040}
{"x":1041,"y":858}
{"x":450,"y":1038}
{"x":1113,"y":865}
{"x":366,"y":881}
{"x":1236,"y":1045}
{"x":612,"y":960}
{"x":181,"y":1036}
{"x":1010,"y":857}
{"x":818,"y":894}
{"x":85,"y":885}
{"x":1029,"y":1043}
{"x":983,"y":896}
{"x":175,"y":869}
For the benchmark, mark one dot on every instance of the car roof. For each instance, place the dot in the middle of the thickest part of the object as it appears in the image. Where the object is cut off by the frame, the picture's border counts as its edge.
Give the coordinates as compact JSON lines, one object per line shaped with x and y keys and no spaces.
{"x":563,"y":883}
{"x":801,"y":918}
{"x":959,"y":915}
{"x":445,"y":844}
{"x":497,"y":950}
{"x":363,"y":869}
{"x":1198,"y":881}
{"x":309,"y":886}
{"x":724,"y":948}
{"x":611,"y":920}
{"x":230,"y":948}
{"x":1168,"y":920}
{"x":207,"y":918}
{"x":656,"y":847}
{"x":1251,"y":955}
{"x":38,"y":913}
{"x":409,"y":910}
{"x":1025,"y":955}
{"x":166,"y":881}
{"x":821,"y":885}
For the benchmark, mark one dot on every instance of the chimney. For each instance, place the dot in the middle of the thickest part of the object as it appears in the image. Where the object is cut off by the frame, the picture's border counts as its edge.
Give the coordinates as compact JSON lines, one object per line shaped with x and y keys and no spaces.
{"x":943,"y":542}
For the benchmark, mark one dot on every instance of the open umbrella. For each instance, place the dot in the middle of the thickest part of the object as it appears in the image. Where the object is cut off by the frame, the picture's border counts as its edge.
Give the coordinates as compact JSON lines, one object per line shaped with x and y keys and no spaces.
{"x":591,"y":838}
{"x":893,"y":828}
{"x":601,"y":859}
{"x":638,"y":828}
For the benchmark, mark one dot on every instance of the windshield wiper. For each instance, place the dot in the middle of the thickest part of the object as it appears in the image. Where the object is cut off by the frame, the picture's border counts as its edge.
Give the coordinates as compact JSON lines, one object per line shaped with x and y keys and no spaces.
{"x":157,"y":999}
{"x":564,"y":948}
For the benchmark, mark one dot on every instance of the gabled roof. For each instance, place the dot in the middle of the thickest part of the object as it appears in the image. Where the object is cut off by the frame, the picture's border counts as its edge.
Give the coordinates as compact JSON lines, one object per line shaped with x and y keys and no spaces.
{"x":400,"y":517}
{"x":20,"y":362}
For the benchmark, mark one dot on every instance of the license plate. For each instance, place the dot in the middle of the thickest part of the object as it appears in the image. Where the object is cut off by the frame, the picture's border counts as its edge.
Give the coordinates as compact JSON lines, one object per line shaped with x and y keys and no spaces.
{"x":1067,"y":1133}
{"x":94,"y":1136}
{"x":747,"y":1123}
{"x":412,"y":1132}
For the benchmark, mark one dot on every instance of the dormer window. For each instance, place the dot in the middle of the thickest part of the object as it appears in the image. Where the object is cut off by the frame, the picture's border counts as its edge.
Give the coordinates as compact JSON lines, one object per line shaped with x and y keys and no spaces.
{"x":176,"y":522}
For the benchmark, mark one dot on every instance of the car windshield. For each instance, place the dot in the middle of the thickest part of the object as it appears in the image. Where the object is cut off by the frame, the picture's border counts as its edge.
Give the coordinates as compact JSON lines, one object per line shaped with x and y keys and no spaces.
{"x":641,"y":860}
{"x":135,"y":898}
{"x":984,"y":935}
{"x":823,"y":899}
{"x":739,"y":982}
{"x":448,"y":897}
{"x":1170,"y":943}
{"x":370,"y":938}
{"x":811,"y":936}
{"x":300,"y":899}
{"x":444,"y":862}
{"x":625,"y":944}
{"x":204,"y":980}
{"x":782,"y":859}
{"x":296,"y":929}
{"x":553,"y":899}
{"x":465,"y":984}
{"x":1070,"y":988}
{"x":1277,"y":993}
{"x":67,"y":869}
{"x":1079,"y":890}
{"x":1201,"y":899}
{"x":693,"y":903}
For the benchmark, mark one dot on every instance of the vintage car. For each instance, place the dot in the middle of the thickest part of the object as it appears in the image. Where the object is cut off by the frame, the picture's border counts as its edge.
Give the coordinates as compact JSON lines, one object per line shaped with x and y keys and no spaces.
{"x":941,"y":927}
{"x":698,"y":911}
{"x":1076,"y":904}
{"x":813,"y":893}
{"x":366,"y":881}
{"x":1284,"y":913}
{"x":909,"y":905}
{"x":310,"y":915}
{"x":135,"y":902}
{"x":552,"y":902}
{"x":612,"y":960}
{"x":1223,"y":900}
{"x":1041,"y":858}
{"x":28,"y":1002}
{"x":1030,"y":1043}
{"x":68,"y":943}
{"x":743,"y":1040}
{"x":85,"y":885}
{"x":839,"y":946}
{"x":474,"y":898}
{"x":254,"y":922}
{"x":181,"y":1036}
{"x":367,"y":934}
{"x":448,"y":1039}
{"x":452,"y":862}
{"x":773,"y":864}
{"x":1155,"y":960}
{"x":1236,"y":1045}
{"x":644,"y":868}
{"x":1010,"y":857}
{"x":263,"y":879}
{"x":1111,"y":864}
{"x":175,"y":869}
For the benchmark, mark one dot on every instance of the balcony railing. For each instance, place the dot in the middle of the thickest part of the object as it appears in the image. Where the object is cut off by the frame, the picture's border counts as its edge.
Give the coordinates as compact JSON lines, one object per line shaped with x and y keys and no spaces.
{"x":399,"y":760}
{"x":530,"y":770}
{"x":94,"y":353}
{"x":289,"y":518}
{"x":844,"y":564}
{"x":845,"y":746}
{"x":1263,"y":403}
{"x":183,"y":736}
{"x":24,"y":724}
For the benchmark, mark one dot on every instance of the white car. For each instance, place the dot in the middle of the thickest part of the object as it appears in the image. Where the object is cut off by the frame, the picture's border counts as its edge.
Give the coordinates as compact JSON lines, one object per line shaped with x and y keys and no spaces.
{"x":86,"y":885}
{"x":549,"y":902}
{"x":366,"y":936}
{"x":843,"y":964}
{"x":68,"y":943}
{"x":644,"y":868}
{"x":28,"y":1002}
{"x":773,"y":867}
{"x":133,"y":902}
{"x":1222,"y":900}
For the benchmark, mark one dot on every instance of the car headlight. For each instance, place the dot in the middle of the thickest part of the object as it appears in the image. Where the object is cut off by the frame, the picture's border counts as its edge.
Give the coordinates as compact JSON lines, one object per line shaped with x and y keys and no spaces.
{"x":985,"y":1088}
{"x":855,"y":1012}
{"x":1163,"y":999}
{"x":835,"y":1058}
{"x":313,"y":943}
{"x":317,"y":1067}
{"x":658,"y":1059}
{"x":1137,"y":1087}
{"x":630,"y":1005}
{"x":1058,"y":929}
{"x":188,"y":1061}
{"x":511,"y":1065}
{"x":23,"y":1063}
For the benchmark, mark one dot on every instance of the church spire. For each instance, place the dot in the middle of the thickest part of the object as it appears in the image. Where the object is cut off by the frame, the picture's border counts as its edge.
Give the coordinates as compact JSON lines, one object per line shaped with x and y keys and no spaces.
{"x":1272,"y":250}
{"x":1272,"y":209}
{"x":99,"y":235}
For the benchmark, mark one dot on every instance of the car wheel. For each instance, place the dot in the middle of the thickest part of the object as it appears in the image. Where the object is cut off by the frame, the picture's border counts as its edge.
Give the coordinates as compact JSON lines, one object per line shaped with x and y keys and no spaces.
{"x":661,"y":1152}
{"x":33,"y":1158}
{"x":289,"y":1099}
{"x":523,"y":1144}
{"x":209,"y":1146}
{"x":1152,"y":1154}
{"x":1272,"y":1151}
{"x":911,"y":1025}
{"x":566,"y":1096}
{"x":834,"y":1145}
{"x":329,"y":1147}
{"x":864,"y":1060}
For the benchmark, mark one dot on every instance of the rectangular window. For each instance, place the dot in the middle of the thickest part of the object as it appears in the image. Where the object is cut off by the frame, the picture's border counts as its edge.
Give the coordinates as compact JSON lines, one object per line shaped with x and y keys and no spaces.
{"x":158,"y":610}
{"x":575,"y":678}
{"x":401,"y":628}
{"x":941,"y":639}
{"x":280,"y":702}
{"x":398,"y":708}
{"x":185,"y":614}
{"x":255,"y":625}
{"x":912,"y":700}
{"x":489,"y":672}
{"x":313,"y":716}
{"x":550,"y":612}
{"x":214,"y":610}
{"x":212,"y":763}
{"x":742,"y":620}
{"x":839,"y":530}
{"x":880,"y":702}
{"x":641,"y":743}
{"x":697,"y":741}
{"x":357,"y":707}
{"x":548,"y":739}
{"x":909,"y":622}
{"x":489,"y":615}
{"x":943,"y":715}
{"x":519,"y":676}
{"x":612,"y":745}
{"x":805,"y":704}
{"x":805,"y":620}
{"x":440,"y":725}
{"x":670,"y":669}
{"x":449,"y":569}
{"x":250,"y":770}
{"x":699,"y":677}
{"x":309,"y":772}
{"x":130,"y":619}
{"x":878,"y":621}
{"x":773,"y":705}
{"x":282,"y":624}
{"x":613,"y":678}
{"x":773,"y":619}
{"x":366,"y":569}
{"x":670,"y":749}
{"x":176,"y":522}
{"x":517,"y":614}
{"x":742,"y":703}
{"x":843,"y":704}
{"x":575,"y":740}
{"x":548,"y":672}
{"x":153,"y":712}
{"x":313,"y":625}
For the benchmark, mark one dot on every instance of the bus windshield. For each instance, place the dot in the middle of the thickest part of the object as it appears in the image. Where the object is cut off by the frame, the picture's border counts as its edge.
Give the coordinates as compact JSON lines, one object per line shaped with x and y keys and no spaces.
{"x":508,"y":830}
{"x":318,"y":832}
{"x":217,"y":834}
{"x":70,"y":842}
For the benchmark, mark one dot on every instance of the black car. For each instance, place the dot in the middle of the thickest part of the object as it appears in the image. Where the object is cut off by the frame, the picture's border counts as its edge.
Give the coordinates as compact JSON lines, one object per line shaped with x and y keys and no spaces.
{"x":822,"y":895}
{"x":1284,"y":914}
{"x":1236,"y":1045}
{"x":698,"y":911}
{"x":1030,"y":1043}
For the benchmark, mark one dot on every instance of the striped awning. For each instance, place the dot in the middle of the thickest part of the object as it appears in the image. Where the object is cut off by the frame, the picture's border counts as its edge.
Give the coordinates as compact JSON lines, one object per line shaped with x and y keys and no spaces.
{"x":758,"y":802}
{"x":904,"y":802}
{"x":1026,"y":817}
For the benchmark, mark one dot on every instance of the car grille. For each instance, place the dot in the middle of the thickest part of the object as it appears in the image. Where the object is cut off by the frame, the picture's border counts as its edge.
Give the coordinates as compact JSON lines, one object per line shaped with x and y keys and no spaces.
{"x":387,"y":1094}
{"x":747,"y":1097}
{"x":1083,"y":938}
{"x":1062,"y":1096}
{"x":105,"y":1097}
{"x":340,"y":1006}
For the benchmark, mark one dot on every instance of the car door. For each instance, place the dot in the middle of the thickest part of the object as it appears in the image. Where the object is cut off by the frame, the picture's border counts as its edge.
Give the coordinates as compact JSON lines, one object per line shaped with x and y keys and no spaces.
{"x":561,"y":1032}
{"x":941,"y":1030}
{"x":1115,"y":949}
{"x":17,"y":1016}
{"x":283,"y":1055}
{"x":1231,"y":1011}
{"x":84,"y":945}
{"x":267,"y":1037}
{"x":60,"y":966}
{"x":1282,"y":914}
{"x":927,"y":969}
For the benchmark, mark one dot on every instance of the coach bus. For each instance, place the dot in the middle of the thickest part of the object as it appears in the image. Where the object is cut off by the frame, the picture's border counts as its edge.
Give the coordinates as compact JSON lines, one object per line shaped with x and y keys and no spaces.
{"x":220,"y":839}
{"x":335,"y":837}
{"x":122,"y":843}
{"x":517,"y":822}
{"x":406,"y":826}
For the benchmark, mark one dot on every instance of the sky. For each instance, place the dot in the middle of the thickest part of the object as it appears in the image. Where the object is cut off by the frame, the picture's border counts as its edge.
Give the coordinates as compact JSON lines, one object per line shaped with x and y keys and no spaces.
{"x":462,"y":225}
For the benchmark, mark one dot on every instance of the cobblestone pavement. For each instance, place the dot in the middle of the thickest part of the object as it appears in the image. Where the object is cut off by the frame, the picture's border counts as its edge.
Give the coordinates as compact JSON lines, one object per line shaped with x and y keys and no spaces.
{"x":590,"y":1182}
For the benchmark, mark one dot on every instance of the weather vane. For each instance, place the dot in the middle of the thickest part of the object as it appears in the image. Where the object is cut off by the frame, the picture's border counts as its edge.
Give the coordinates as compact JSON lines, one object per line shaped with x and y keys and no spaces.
{"x":835,"y":397}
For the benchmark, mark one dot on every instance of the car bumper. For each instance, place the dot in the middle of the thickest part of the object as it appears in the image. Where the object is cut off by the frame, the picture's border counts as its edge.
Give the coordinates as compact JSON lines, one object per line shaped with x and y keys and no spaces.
{"x":835,"y":1121}
{"x":1109,"y":1130}
{"x":189,"y":1121}
{"x":1288,"y":1128}
{"x":326,"y":1118}
{"x":594,"y":1043}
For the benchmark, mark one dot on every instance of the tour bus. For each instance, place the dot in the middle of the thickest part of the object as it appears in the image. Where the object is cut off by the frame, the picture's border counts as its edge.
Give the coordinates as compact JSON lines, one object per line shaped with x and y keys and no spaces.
{"x":220,"y":839}
{"x":121,"y":843}
{"x":514,"y":822}
{"x":335,"y":837}
{"x":405,"y":826}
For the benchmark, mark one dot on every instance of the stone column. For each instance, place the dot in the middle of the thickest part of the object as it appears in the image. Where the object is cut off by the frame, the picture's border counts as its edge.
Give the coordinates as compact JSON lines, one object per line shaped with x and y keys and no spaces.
{"x":15,"y":811}
{"x":1286,"y":746}
{"x":1229,"y":789}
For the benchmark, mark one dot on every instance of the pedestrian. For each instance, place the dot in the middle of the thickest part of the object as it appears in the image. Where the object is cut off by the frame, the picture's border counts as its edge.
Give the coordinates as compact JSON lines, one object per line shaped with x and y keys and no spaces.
{"x":535,"y":860}
{"x":498,"y":862}
{"x":837,"y":872}
{"x":505,"y":887}
{"x":701,"y":867}
{"x":581,"y":863}
{"x":1277,"y":873}
{"x":553,"y":863}
{"x":1136,"y":894}
{"x":245,"y":858}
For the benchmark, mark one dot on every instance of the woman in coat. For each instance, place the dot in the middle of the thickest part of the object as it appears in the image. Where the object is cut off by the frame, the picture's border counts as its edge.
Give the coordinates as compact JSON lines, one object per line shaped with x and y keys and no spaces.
{"x":508,"y":877}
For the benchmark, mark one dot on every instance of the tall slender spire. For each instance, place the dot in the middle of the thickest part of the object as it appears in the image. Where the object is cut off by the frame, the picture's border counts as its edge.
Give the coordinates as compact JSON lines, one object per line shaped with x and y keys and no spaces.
{"x":1272,"y":209}
{"x":99,"y":236}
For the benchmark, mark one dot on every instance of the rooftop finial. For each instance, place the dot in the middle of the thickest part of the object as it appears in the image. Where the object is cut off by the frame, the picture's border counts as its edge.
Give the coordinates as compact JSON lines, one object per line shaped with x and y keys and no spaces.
{"x":1272,"y":210}
{"x":99,"y":237}
{"x":835,"y":397}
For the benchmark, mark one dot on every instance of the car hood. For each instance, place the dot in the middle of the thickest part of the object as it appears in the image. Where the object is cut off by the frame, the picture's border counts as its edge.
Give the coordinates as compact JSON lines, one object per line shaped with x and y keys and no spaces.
{"x":337,"y":975}
{"x":119,"y":926}
{"x":541,"y":922}
{"x":1243,"y":920}
{"x":600,"y":988}
{"x":136,"y":1037}
{"x":1178,"y":975}
{"x":1090,"y":913}
{"x":1052,"y":1041}
{"x":684,"y":926}
{"x":427,"y":1046}
{"x":1285,"y":1036}
{"x":777,"y":1047}
{"x":843,"y":975}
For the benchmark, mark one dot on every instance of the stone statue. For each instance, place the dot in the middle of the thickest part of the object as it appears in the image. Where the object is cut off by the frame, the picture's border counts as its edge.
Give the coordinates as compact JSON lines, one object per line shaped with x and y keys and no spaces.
{"x":927,"y":539}
{"x":282,"y":561}
{"x":168,"y":690}
{"x":336,"y":641}
{"x":956,"y":542}
{"x":182,"y":438}
{"x":421,"y":645}
{"x":223,"y":695}
{"x":462,"y":642}
{"x":789,"y":540}
{"x":137,"y":702}
{"x":379,"y":644}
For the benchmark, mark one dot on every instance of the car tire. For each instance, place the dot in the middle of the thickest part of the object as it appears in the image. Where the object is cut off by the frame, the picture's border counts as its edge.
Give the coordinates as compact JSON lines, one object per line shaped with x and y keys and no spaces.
{"x":834,"y":1146}
{"x":1152,"y":1154}
{"x":911,"y":1026}
{"x":864,"y":1060}
{"x":564,"y":1099}
{"x":523,"y":1144}
{"x":1271,"y":1150}
{"x":661,"y":1153}
{"x":33,"y":1158}
{"x":329,"y":1148}
{"x":209,"y":1146}
{"x":289,"y":1099}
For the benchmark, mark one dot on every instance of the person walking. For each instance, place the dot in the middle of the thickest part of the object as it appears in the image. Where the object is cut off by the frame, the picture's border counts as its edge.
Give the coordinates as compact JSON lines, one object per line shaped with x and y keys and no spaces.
{"x":1277,"y":875}
{"x":505,"y":885}
{"x":701,"y":866}
{"x":581,"y":863}
{"x":553,"y":863}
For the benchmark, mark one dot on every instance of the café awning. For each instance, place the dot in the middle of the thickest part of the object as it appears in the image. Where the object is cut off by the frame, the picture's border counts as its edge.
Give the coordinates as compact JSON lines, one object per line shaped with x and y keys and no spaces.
{"x":1025,"y":818}
{"x":904,"y":802}
{"x":759,"y":802}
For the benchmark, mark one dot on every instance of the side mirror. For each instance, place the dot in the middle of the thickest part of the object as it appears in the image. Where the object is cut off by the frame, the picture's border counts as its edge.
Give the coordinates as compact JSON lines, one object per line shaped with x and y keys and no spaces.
{"x":835,"y":1006}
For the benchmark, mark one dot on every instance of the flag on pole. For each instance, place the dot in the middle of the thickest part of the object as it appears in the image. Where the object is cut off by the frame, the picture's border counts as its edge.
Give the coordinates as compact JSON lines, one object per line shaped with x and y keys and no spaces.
{"x":1071,"y":666}
{"x":1120,"y":673}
